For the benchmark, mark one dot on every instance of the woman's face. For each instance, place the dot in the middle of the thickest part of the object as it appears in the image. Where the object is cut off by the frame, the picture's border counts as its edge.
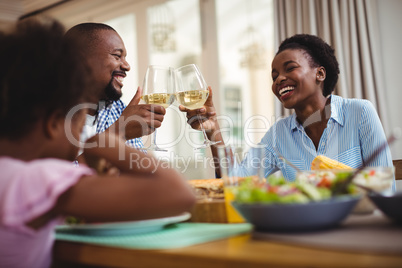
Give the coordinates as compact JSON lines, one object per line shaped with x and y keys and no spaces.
{"x":295,"y":82}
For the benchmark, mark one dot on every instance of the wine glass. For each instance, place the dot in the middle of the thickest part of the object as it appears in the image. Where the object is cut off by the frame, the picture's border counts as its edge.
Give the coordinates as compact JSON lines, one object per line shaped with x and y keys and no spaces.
{"x":158,"y":88}
{"x":192,"y":92}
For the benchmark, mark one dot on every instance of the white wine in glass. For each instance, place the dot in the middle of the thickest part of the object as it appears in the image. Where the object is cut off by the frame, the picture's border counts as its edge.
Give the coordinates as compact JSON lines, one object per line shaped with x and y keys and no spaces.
{"x":162,"y":99}
{"x":192,"y":99}
{"x":158,"y":88}
{"x":192,"y":92}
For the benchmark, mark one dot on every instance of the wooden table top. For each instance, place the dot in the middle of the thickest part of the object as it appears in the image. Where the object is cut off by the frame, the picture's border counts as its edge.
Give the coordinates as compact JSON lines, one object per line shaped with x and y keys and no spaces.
{"x":236,"y":252}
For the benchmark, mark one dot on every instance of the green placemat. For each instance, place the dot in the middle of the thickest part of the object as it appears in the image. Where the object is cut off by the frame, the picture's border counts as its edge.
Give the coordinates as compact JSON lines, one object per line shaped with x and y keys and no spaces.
{"x":172,"y":236}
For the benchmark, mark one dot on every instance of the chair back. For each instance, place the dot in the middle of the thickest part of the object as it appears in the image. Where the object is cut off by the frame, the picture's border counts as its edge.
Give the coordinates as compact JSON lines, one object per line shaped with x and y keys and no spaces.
{"x":398,"y":169}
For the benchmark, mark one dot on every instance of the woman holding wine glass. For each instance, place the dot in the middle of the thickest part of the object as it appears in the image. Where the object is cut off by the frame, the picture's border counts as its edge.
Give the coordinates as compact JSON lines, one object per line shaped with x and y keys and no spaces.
{"x":158,"y":88}
{"x":304,"y":74}
{"x":192,"y":92}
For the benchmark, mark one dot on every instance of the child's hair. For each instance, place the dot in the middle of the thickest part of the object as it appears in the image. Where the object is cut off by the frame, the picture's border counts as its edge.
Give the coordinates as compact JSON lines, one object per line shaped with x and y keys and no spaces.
{"x":40,"y":73}
{"x":321,"y":54}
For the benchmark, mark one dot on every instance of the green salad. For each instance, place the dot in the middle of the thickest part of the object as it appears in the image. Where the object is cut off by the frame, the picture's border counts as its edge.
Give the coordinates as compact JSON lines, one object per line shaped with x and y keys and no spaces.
{"x":277,"y":190}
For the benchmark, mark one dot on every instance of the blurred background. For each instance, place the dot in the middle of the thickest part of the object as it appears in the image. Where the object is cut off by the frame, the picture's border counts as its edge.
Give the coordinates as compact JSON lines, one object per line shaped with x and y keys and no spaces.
{"x":233,"y":43}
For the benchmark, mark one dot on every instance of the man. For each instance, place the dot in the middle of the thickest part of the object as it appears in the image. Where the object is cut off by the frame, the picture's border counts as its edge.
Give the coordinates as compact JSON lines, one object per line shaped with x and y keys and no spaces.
{"x":104,"y":49}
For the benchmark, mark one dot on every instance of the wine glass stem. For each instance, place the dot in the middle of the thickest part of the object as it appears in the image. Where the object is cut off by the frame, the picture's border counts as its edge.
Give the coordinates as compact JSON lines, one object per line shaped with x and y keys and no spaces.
{"x":202,"y":128}
{"x":154,"y":139}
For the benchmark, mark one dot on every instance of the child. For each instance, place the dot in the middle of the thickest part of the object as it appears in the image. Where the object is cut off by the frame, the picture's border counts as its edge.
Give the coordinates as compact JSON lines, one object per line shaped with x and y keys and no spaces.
{"x":41,"y":80}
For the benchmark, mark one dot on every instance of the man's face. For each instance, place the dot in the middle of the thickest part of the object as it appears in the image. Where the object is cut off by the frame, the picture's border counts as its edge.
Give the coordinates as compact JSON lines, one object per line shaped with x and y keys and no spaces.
{"x":108,"y":59}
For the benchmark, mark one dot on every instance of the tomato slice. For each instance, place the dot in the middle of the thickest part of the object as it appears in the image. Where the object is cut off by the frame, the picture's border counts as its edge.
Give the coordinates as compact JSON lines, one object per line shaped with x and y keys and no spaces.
{"x":325,"y":182}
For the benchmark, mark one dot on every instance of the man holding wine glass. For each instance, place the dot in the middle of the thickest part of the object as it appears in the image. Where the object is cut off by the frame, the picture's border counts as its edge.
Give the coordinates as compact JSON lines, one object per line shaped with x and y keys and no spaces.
{"x":158,"y":89}
{"x":102,"y":46}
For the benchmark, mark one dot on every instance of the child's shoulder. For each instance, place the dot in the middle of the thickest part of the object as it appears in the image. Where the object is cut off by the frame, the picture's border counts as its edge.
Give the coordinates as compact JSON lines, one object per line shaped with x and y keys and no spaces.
{"x":49,"y":169}
{"x":24,"y":184}
{"x":9,"y":163}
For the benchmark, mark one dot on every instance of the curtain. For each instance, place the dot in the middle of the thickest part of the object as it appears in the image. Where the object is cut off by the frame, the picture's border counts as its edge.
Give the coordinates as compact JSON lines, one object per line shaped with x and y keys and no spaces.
{"x":351,"y":28}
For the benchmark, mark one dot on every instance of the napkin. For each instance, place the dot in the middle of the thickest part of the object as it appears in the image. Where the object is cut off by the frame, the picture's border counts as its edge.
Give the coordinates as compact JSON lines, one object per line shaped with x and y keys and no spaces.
{"x":171,"y":236}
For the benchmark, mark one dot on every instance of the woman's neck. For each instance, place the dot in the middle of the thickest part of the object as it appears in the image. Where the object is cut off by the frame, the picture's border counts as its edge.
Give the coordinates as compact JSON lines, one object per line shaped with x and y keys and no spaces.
{"x":317,"y":110}
{"x":314,"y":119}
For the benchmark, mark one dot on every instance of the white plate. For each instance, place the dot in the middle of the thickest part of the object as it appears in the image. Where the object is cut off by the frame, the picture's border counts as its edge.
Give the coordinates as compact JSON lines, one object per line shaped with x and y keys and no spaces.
{"x":122,"y":228}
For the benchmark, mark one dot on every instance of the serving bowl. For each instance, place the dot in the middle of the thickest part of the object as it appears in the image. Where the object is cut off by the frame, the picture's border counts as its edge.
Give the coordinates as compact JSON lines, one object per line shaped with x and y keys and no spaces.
{"x":310,"y":216}
{"x":390,"y":205}
{"x":378,"y":179}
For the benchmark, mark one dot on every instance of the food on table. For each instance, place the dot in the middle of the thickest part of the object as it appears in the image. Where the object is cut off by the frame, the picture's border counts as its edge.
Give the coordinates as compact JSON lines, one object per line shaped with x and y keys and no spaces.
{"x":376,"y":178}
{"x":278,"y":190}
{"x":207,"y":188}
{"x":74,"y":220}
{"x":213,"y":188}
{"x":323,"y":162}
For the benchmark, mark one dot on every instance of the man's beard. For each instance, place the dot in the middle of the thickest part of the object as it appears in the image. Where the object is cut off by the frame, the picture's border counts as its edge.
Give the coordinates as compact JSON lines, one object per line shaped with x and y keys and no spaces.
{"x":111,"y":94}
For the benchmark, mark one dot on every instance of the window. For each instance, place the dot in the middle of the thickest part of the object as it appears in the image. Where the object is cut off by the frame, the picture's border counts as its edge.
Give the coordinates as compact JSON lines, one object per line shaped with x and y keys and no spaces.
{"x":174,"y":39}
{"x":235,"y":46}
{"x":245,"y":38}
{"x":125,"y":26}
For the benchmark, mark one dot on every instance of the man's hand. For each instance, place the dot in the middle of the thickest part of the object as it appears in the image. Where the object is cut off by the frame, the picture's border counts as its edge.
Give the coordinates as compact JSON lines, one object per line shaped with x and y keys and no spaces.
{"x":138,"y":120}
{"x":101,"y":165}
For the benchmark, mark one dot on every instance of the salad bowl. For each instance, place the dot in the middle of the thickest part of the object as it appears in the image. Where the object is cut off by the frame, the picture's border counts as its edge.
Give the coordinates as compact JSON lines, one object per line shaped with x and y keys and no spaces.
{"x":282,"y":206}
{"x":293,"y":217}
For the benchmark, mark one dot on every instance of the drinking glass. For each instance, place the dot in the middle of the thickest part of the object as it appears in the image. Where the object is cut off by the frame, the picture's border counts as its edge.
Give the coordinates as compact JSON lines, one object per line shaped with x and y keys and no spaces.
{"x":158,"y":88}
{"x":192,"y":92}
{"x":228,"y":160}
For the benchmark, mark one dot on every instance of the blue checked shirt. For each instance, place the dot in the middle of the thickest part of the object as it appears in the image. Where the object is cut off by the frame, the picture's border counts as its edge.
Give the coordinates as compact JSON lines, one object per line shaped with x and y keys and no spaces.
{"x":353,"y":132}
{"x":109,"y":115}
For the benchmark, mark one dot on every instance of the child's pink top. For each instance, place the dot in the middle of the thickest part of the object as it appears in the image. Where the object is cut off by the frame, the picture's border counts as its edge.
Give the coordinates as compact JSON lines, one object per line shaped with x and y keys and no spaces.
{"x":28,"y":190}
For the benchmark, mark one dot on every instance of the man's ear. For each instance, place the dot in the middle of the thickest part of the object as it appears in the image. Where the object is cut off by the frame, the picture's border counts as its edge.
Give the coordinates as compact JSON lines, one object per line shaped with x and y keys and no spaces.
{"x":54,"y":125}
{"x":321,"y":74}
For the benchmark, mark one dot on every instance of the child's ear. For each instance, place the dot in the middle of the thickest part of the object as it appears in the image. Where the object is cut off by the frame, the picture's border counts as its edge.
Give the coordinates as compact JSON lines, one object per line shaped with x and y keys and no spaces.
{"x":54,"y":125}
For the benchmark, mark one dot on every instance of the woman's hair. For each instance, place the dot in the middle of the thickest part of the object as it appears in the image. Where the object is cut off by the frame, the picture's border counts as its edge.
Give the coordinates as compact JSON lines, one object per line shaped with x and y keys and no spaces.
{"x":321,"y":54}
{"x":40,"y":74}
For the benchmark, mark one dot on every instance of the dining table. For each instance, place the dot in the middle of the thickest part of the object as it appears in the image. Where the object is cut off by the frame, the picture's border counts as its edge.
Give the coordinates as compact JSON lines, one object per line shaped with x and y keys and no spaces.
{"x":251,"y":249}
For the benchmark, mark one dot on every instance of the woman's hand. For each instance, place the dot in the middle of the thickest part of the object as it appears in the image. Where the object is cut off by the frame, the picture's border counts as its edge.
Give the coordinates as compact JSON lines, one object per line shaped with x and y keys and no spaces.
{"x":210,"y":123}
{"x":206,"y":114}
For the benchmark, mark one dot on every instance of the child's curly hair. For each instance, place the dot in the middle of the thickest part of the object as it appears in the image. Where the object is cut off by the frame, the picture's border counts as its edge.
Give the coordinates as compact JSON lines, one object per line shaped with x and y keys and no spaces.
{"x":40,"y":73}
{"x":321,"y":54}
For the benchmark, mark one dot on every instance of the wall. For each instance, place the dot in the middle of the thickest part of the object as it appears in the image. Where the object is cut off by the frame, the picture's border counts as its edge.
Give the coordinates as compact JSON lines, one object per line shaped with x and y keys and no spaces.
{"x":390,"y":21}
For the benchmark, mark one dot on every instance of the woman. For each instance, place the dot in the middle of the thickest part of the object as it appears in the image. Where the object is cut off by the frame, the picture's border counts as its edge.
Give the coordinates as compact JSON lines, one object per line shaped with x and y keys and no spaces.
{"x":304,"y":73}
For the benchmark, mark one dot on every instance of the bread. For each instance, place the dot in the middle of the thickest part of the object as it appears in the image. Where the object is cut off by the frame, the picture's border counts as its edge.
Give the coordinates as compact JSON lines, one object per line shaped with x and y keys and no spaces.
{"x":208,"y":188}
{"x":213,"y":188}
